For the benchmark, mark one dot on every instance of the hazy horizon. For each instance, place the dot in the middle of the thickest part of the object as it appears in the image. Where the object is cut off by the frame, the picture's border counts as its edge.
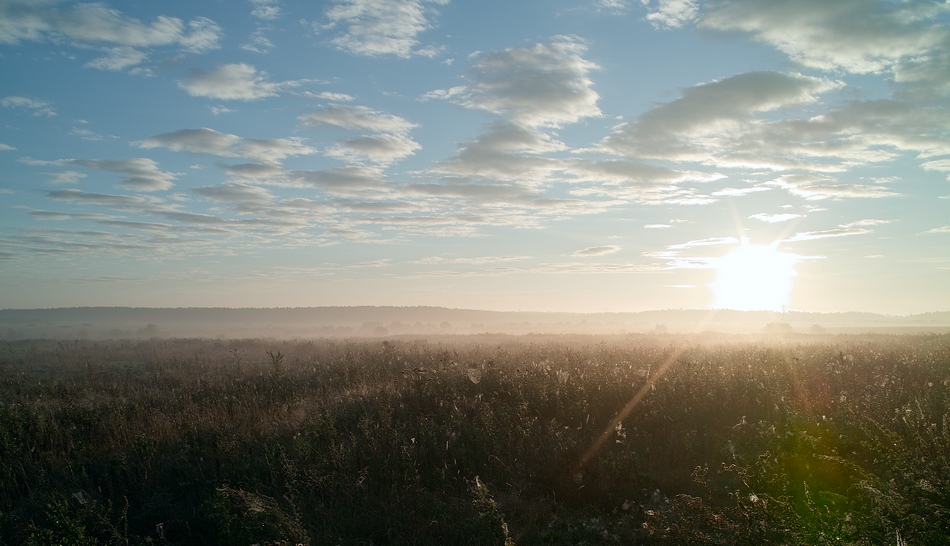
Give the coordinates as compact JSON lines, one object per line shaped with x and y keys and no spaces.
{"x":546,"y":156}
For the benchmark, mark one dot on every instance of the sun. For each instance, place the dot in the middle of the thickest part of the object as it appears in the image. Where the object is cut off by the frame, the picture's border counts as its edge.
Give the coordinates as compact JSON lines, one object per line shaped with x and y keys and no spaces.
{"x":753,"y":277}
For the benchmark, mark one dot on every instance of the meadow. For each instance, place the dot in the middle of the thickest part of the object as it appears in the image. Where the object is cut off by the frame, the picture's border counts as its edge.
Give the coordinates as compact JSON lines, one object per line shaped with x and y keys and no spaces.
{"x":637,"y":439}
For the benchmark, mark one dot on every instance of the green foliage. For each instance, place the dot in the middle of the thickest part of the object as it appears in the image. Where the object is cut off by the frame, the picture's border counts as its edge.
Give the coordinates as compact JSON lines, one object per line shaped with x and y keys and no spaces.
{"x":477,"y":440}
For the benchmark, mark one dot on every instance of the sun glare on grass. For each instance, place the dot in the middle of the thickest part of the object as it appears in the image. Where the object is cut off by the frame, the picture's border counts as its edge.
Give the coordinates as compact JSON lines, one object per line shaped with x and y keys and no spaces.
{"x":753,"y":277}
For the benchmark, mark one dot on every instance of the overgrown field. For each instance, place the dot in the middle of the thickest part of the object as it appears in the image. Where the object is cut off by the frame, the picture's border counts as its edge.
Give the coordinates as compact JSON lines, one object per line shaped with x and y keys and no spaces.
{"x":477,"y":440}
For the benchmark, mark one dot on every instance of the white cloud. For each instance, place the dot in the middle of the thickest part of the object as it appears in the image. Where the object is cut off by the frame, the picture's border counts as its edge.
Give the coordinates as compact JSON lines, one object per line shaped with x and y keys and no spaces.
{"x":691,"y":127}
{"x":122,"y":202}
{"x":657,"y":226}
{"x":39,"y":107}
{"x":209,"y":141}
{"x":546,"y":85}
{"x":88,"y":134}
{"x":824,"y":234}
{"x":66,"y":177}
{"x":236,"y":193}
{"x":445,"y":94}
{"x":388,"y":142}
{"x":258,"y":43}
{"x":376,"y":28}
{"x":218,"y":110}
{"x":860,"y":36}
{"x":203,"y":37}
{"x":374,"y":263}
{"x":774,"y":218}
{"x":704,"y":242}
{"x":265,"y":9}
{"x":139,"y":173}
{"x":942,"y":229}
{"x":738,"y":192}
{"x":504,"y":152}
{"x":382,"y":149}
{"x":334,"y":97}
{"x":479,"y":260}
{"x":611,"y":5}
{"x":62,"y":216}
{"x":230,"y":82}
{"x":866,"y":222}
{"x":671,"y":13}
{"x":118,"y":58}
{"x":6,"y":147}
{"x":94,"y":24}
{"x":597,"y":250}
{"x":817,"y":187}
{"x":356,"y":118}
{"x":939,"y":165}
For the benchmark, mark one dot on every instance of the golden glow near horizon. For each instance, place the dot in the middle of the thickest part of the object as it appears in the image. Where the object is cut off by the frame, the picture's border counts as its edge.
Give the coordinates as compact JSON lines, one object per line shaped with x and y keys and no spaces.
{"x":754,"y":277}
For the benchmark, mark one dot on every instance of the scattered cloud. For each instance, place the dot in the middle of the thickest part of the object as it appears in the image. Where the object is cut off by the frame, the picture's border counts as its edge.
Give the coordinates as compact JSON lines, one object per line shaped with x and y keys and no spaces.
{"x":597,"y":250}
{"x":88,"y":134}
{"x":95,"y":25}
{"x":858,"y":36}
{"x":66,"y":177}
{"x":546,"y":85}
{"x":375,"y":28}
{"x":671,"y":13}
{"x":504,"y":152}
{"x":824,"y":234}
{"x":942,"y":229}
{"x":611,"y":5}
{"x":698,"y":125}
{"x":118,"y":58}
{"x":774,"y":218}
{"x":374,"y":263}
{"x":381,"y":149}
{"x":388,"y":141}
{"x":711,"y":241}
{"x":356,"y":118}
{"x":939,"y":165}
{"x":63,"y":216}
{"x":209,"y":141}
{"x":657,"y":226}
{"x":230,"y":82}
{"x":6,"y":147}
{"x":39,"y":107}
{"x":445,"y":94}
{"x":478,"y":260}
{"x":265,"y":9}
{"x":236,"y":193}
{"x":121,"y":202}
{"x":258,"y":43}
{"x":334,"y":97}
{"x":866,"y":222}
{"x":858,"y":227}
{"x":738,"y":192}
{"x":141,"y":174}
{"x":818,"y":187}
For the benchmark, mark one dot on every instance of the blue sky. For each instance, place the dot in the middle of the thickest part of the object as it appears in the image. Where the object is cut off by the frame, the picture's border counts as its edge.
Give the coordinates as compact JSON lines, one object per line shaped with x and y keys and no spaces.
{"x":556,"y":155}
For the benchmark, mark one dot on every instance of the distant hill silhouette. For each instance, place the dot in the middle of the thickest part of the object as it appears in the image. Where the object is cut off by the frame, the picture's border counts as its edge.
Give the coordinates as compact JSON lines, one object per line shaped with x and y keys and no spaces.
{"x":120,"y":322}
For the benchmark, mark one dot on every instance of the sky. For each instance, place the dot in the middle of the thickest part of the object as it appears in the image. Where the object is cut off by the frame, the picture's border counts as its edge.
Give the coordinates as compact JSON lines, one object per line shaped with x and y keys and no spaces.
{"x":542,"y":155}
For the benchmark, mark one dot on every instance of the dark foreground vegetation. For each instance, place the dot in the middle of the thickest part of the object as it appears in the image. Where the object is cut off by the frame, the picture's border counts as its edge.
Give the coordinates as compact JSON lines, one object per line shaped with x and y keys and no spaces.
{"x":477,"y":440}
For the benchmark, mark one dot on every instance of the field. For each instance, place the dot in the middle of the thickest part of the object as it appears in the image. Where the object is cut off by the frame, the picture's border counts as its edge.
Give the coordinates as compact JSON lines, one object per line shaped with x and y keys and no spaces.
{"x":659,"y":439}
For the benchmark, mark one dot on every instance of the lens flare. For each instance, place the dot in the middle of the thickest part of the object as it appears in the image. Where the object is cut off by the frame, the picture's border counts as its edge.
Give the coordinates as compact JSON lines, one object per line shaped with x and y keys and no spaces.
{"x":753,"y":278}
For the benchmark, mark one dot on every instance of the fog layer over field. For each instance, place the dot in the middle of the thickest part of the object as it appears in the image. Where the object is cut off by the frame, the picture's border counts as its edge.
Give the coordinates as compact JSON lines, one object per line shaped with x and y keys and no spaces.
{"x":309,"y":322}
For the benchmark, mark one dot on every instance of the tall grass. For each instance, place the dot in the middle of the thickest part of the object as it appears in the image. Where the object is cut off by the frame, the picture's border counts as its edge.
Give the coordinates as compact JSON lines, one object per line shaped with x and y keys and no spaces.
{"x":476,"y":440}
